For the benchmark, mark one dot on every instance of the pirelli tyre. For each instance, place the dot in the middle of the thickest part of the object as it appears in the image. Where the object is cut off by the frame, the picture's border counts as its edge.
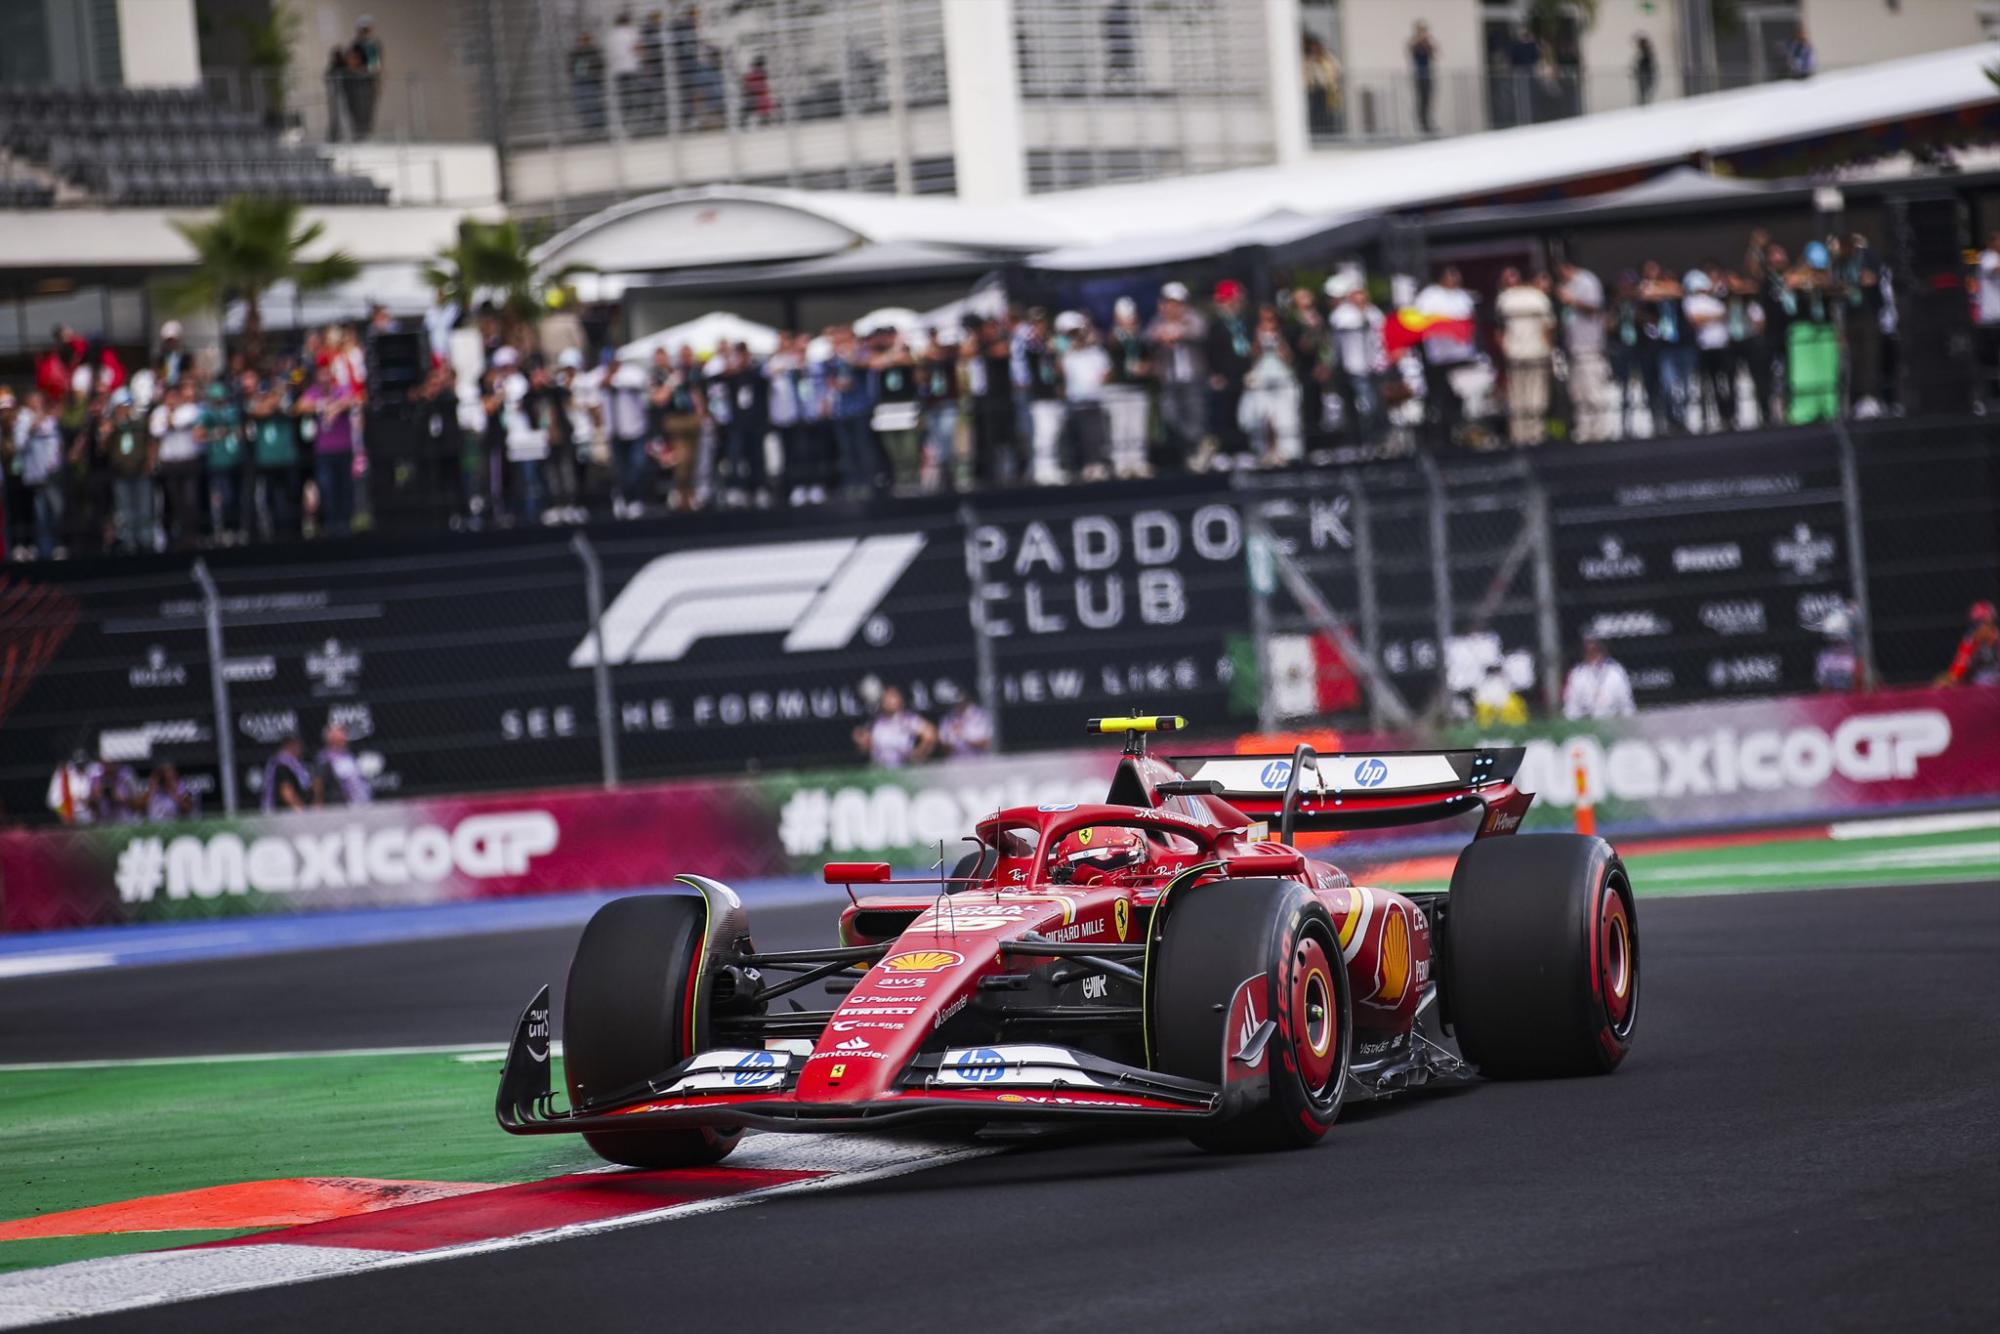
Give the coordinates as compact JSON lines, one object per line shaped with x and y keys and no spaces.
{"x":626,"y":1018}
{"x":1210,"y":941}
{"x":1542,"y":956}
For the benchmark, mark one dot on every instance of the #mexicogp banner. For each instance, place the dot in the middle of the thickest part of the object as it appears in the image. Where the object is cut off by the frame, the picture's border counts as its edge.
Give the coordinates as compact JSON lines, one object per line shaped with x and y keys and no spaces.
{"x":1810,"y":757}
{"x":1804,"y":757}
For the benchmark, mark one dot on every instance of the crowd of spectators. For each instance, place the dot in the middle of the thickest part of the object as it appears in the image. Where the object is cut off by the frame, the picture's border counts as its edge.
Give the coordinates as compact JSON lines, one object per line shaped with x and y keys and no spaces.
{"x":87,"y":790}
{"x":897,"y":736}
{"x":183,"y":453}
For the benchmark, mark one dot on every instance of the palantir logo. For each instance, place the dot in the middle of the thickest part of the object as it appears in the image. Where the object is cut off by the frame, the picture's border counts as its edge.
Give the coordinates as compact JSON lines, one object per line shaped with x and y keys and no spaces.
{"x":819,"y":593}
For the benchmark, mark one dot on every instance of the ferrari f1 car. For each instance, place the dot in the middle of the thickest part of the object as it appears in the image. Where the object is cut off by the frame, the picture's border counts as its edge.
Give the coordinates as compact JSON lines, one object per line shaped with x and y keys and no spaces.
{"x":1162,"y":957}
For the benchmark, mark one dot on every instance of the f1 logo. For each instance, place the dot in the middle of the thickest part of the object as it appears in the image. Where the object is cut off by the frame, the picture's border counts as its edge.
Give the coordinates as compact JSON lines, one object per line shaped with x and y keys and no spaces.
{"x":818,"y":593}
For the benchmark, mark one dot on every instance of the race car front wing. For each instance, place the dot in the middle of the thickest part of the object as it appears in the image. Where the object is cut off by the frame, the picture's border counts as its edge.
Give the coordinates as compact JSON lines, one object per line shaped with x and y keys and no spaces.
{"x":1000,"y":1083}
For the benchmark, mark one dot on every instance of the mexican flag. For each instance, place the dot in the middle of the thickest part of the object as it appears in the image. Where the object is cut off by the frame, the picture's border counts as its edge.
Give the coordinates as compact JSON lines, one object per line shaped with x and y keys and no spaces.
{"x":1410,"y":326}
{"x":1309,"y":677}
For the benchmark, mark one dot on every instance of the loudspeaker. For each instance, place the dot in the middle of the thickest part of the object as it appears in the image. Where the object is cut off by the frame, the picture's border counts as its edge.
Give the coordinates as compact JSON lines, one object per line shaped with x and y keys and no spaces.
{"x":397,"y":363}
{"x":1934,"y":316}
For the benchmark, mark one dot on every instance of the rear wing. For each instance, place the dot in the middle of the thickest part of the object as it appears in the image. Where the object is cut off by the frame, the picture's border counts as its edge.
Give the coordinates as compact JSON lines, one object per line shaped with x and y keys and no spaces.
{"x":1312,"y":792}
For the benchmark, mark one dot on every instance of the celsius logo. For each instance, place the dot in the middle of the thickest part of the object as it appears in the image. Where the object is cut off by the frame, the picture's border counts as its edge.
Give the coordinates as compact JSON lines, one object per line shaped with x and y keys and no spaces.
{"x":817,"y":593}
{"x":1276,"y":774}
{"x":1371,"y":772}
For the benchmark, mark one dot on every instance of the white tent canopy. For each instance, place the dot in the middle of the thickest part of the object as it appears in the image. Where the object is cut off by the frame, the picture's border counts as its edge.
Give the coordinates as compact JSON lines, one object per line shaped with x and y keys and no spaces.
{"x":704,"y":335}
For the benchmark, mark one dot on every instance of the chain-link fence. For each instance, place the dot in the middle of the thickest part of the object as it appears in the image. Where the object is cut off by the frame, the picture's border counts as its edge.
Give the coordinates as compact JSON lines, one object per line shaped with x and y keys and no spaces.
{"x":1407,"y":596}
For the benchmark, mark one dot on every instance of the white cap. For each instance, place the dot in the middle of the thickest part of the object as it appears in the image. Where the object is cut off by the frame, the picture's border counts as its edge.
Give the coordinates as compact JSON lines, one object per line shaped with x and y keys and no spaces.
{"x":1696,"y":281}
{"x":1125,"y":308}
{"x":1174,"y":292}
{"x":171,"y":329}
{"x":1342,"y":284}
{"x":506,"y":356}
{"x":1071,"y":321}
{"x":572,"y":358}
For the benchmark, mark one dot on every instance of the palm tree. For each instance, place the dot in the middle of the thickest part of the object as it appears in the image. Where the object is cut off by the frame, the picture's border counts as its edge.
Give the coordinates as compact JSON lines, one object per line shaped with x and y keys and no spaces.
{"x":252,"y":243}
{"x":495,"y":260}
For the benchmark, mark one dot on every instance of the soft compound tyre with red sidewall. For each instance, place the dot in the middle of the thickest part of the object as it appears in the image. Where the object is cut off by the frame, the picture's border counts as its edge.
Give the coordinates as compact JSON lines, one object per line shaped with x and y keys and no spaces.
{"x":1542,"y":956}
{"x":1211,"y":939}
{"x":629,"y":1012}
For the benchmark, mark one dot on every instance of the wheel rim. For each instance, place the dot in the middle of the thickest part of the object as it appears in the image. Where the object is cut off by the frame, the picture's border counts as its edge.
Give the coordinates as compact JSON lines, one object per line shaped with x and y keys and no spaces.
{"x":1316,"y":1018}
{"x":1618,"y":961}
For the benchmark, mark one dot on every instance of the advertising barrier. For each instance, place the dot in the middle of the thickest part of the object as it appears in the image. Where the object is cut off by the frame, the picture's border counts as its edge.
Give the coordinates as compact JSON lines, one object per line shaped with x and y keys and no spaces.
{"x":1808,"y":756}
{"x":1802,"y":758}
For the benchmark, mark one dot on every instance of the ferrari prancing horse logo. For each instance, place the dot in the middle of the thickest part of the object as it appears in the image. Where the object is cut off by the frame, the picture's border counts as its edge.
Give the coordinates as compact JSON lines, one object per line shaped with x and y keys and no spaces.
{"x":1121,"y":916}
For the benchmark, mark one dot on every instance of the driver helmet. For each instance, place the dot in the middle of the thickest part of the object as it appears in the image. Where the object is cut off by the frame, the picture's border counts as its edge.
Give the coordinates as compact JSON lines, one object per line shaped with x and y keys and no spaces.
{"x":1101,"y":849}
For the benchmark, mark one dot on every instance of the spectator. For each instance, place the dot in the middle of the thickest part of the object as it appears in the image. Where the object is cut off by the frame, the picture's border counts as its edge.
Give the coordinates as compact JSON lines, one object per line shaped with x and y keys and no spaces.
{"x":1322,"y":81}
{"x":759,"y":107}
{"x":939,"y":386}
{"x":622,"y":56}
{"x":174,"y":363}
{"x":1177,"y":339}
{"x":1857,"y":275}
{"x":1812,"y":342}
{"x":1708,"y":320}
{"x":38,"y":441}
{"x":1986,"y":294}
{"x":897,"y":417}
{"x":74,"y":788}
{"x":569,"y":439}
{"x":678,"y":404}
{"x":168,"y":797}
{"x":179,"y":467}
{"x":896,"y":736}
{"x":1527,"y":341}
{"x":219,"y":428}
{"x":1495,"y":702}
{"x":1800,"y":60}
{"x":527,"y":407}
{"x":626,"y":405}
{"x":337,"y":776}
{"x":1447,"y":347}
{"x":1034,"y":347}
{"x":332,"y":411}
{"x":653,"y":72}
{"x":1311,"y":342}
{"x":1977,"y":661}
{"x":1597,"y":686}
{"x":1645,"y":68}
{"x":1423,"y":56}
{"x":1268,"y":410}
{"x":1749,"y":351}
{"x":1359,"y":355}
{"x":1524,"y":57}
{"x":1086,"y":371}
{"x":586,"y":81}
{"x":1837,"y":666}
{"x":130,"y":456}
{"x":274,"y":451}
{"x":364,"y":78}
{"x":965,"y":730}
{"x":440,"y":460}
{"x":288,"y":783}
{"x":1231,"y":345}
{"x":1582,"y":299}
{"x":1127,"y":409}
{"x":852,"y":406}
{"x":783,"y":372}
{"x":987,"y":359}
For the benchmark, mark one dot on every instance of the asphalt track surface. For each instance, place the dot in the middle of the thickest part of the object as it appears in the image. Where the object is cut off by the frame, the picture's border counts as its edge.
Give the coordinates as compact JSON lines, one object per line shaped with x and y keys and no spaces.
{"x":1807,"y":1136}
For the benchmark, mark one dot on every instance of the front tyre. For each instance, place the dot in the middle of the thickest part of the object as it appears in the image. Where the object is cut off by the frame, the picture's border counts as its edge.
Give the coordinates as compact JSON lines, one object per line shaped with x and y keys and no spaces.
{"x":1542,"y":956}
{"x":1275,"y":937}
{"x":630,"y":1011}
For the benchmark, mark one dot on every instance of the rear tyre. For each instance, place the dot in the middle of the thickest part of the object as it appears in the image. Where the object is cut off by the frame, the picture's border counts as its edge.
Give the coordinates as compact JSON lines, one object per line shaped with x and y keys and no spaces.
{"x":626,"y":1017}
{"x":1213,"y":938}
{"x":1542,"y":956}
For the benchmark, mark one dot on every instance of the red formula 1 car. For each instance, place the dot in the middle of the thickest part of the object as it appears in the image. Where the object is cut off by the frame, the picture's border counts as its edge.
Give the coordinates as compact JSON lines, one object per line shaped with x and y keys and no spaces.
{"x":1160,"y":958}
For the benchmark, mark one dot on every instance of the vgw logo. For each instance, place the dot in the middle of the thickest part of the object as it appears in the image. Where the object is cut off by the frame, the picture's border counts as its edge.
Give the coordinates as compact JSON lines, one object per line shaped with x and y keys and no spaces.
{"x":818,"y":593}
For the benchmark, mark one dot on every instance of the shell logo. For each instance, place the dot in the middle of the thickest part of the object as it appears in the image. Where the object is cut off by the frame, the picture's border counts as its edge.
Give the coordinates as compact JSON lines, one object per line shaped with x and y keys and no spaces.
{"x":922,"y":961}
{"x":1395,"y":957}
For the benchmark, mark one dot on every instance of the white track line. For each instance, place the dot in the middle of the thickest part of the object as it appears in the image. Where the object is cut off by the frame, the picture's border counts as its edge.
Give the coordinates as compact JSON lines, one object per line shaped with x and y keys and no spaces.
{"x":73,"y":961}
{"x":135,"y":1282}
{"x":1899,"y":859}
{"x":1949,"y":822}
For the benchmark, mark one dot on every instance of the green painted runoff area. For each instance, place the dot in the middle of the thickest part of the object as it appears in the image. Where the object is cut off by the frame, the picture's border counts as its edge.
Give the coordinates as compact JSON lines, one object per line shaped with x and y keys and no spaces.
{"x":76,"y":1137}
